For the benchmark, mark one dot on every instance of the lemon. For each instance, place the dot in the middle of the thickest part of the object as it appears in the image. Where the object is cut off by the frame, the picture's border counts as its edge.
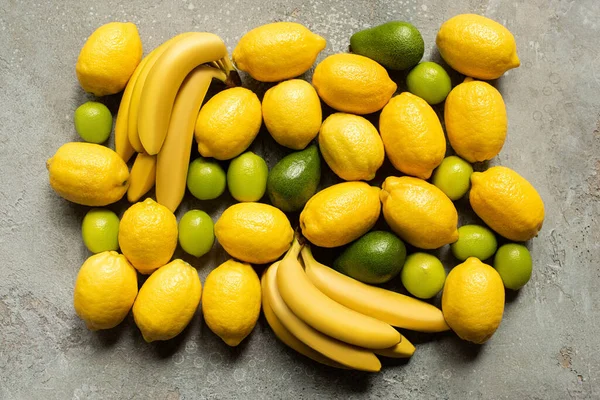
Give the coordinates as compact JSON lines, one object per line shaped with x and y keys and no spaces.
{"x":254,"y":232}
{"x":412,"y":135}
{"x":231,"y":301}
{"x":105,"y":290}
{"x":228,"y":123}
{"x":88,"y":174}
{"x":419,"y":212}
{"x":167,"y":301}
{"x":473,"y":300}
{"x":507,"y":203}
{"x":277,"y":51}
{"x":292,"y":113}
{"x":353,"y":84}
{"x":351,"y":146}
{"x":341,"y":213}
{"x":148,"y":235}
{"x":108,"y":58}
{"x":477,"y":46}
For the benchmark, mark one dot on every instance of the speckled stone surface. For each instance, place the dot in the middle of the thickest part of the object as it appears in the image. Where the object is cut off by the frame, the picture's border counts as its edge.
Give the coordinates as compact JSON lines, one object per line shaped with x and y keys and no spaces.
{"x":547,"y":345}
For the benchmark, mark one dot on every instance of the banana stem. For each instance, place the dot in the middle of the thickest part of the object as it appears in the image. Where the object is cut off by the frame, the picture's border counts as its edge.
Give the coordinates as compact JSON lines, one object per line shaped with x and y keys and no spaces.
{"x":294,"y":250}
{"x":307,"y":254}
{"x":215,"y":64}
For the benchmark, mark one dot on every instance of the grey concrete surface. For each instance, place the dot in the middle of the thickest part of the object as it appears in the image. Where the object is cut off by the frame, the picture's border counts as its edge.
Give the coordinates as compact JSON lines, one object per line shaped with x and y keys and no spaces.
{"x":547,"y":345}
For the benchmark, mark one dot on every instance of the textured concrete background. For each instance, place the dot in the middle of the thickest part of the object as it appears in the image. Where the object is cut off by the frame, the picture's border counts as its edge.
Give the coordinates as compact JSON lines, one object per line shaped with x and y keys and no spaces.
{"x":547,"y":345}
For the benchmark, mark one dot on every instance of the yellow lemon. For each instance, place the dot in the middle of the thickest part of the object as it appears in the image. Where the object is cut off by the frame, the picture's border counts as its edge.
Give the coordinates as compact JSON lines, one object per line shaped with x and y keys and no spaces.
{"x":353,"y":84}
{"x":231,"y":301}
{"x":507,"y":203}
{"x":148,"y":235}
{"x":292,"y":113}
{"x":419,"y":212}
{"x":105,"y":290}
{"x":473,"y":300}
{"x":412,"y":135}
{"x":108,"y":58}
{"x":277,"y":51}
{"x":254,"y":232}
{"x":88,"y":174}
{"x":351,"y":146}
{"x":167,"y":301}
{"x":476,"y":121}
{"x":477,"y":46}
{"x":228,"y":123}
{"x":341,"y":213}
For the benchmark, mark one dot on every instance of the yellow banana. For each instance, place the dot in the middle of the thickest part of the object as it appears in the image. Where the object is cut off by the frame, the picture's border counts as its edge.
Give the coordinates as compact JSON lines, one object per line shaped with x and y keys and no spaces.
{"x":343,"y":353}
{"x":165,"y":78}
{"x":141,"y":179}
{"x":122,"y":145}
{"x":174,"y":156}
{"x":325,"y":314}
{"x":404,"y":349}
{"x":393,"y":308}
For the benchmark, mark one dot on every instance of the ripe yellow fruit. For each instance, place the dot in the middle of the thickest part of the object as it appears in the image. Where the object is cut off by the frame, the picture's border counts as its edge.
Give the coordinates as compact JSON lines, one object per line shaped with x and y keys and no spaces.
{"x":507,"y":203}
{"x":108,"y":58}
{"x":473,"y":300}
{"x":412,"y":135}
{"x":228,"y":123}
{"x":292,"y":113}
{"x":353,"y":84}
{"x":231,"y":301}
{"x":277,"y":51}
{"x":476,"y":121}
{"x":148,"y":235}
{"x":105,"y":290}
{"x":88,"y":174}
{"x":419,"y":212}
{"x":167,"y":301}
{"x":351,"y":146}
{"x":477,"y":46}
{"x":341,"y":213}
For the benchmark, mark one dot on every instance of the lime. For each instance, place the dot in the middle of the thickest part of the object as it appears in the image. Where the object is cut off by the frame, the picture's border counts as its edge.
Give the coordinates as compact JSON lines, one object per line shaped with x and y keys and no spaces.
{"x":206,"y":179}
{"x":429,"y":81}
{"x":93,"y":122}
{"x":247,"y":177}
{"x":474,"y":241}
{"x":100,"y":230}
{"x":196,"y":234}
{"x":453,"y":177}
{"x":513,"y":263}
{"x":423,"y":275}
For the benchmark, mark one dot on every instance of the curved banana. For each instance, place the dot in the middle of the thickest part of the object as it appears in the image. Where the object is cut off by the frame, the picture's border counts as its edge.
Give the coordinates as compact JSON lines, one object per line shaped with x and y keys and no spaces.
{"x":165,"y":78}
{"x":325,"y":314}
{"x":142,"y":176}
{"x":404,"y":349}
{"x":343,"y":353}
{"x":122,"y":145}
{"x":393,"y":308}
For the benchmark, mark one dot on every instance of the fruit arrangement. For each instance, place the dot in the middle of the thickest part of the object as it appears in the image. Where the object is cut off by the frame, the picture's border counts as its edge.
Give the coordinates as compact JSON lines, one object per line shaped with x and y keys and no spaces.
{"x":336,"y":315}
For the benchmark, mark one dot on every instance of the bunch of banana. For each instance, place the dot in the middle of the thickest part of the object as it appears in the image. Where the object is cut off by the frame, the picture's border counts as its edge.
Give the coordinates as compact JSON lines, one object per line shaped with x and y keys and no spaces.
{"x":336,"y":320}
{"x":159,"y":109}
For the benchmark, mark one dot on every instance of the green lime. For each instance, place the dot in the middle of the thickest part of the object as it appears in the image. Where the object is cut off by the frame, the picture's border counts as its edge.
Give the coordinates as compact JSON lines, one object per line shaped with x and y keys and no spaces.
{"x":474,"y":241}
{"x":100,"y":230}
{"x":247,"y":177}
{"x":196,"y":234}
{"x":423,"y":275}
{"x":206,"y":179}
{"x":513,"y":263}
{"x":93,"y":122}
{"x":453,"y":177}
{"x":429,"y":81}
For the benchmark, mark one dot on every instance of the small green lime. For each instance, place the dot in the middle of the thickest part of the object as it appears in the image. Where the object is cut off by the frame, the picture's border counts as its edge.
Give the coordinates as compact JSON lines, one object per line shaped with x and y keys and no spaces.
{"x":513,"y":263}
{"x":429,"y":81}
{"x":247,"y":177}
{"x":196,"y":234}
{"x":453,"y":177}
{"x":93,"y":122}
{"x":206,"y":179}
{"x":100,"y":230}
{"x":423,"y":275}
{"x":474,"y":241}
